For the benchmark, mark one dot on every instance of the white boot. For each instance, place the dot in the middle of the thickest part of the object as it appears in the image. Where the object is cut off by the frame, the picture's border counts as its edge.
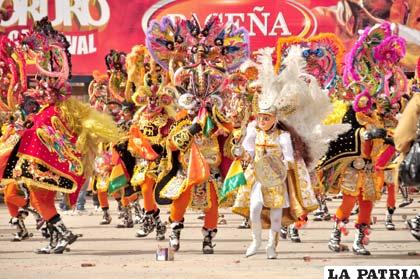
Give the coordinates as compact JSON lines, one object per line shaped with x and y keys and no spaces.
{"x":271,"y":245}
{"x":256,"y":241}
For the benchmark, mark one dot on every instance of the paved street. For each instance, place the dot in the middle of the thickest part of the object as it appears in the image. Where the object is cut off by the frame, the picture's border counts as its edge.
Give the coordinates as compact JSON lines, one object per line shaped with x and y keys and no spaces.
{"x":117,"y":253}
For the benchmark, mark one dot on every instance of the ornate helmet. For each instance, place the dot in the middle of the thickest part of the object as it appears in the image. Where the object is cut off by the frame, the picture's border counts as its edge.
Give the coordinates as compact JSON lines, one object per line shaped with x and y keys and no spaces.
{"x":115,"y":63}
{"x":153,"y":90}
{"x":197,"y":57}
{"x":371,"y":67}
{"x":273,"y":98}
{"x":323,"y":54}
{"x":98,"y":91}
{"x":49,"y":51}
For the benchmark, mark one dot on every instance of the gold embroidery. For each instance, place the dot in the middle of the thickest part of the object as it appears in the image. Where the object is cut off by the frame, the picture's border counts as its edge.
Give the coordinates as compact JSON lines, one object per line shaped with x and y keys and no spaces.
{"x":59,"y":126}
{"x":174,"y":188}
{"x":200,"y":196}
{"x":350,"y":181}
{"x":32,"y":159}
{"x":57,"y":141}
{"x":102,"y":184}
{"x":209,"y":148}
{"x":176,"y":128}
{"x":151,"y":127}
{"x":269,"y":168}
{"x":182,"y":140}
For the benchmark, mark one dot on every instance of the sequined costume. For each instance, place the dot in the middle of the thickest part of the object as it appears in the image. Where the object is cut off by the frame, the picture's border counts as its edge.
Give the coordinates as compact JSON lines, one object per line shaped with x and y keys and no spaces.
{"x":197,"y":59}
{"x":55,"y":149}
{"x":148,"y":135}
{"x":278,"y":174}
{"x":356,"y":160}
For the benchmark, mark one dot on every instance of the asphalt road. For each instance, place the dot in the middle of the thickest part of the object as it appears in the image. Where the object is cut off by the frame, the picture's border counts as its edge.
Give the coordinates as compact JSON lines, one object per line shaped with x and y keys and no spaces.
{"x":116,"y":253}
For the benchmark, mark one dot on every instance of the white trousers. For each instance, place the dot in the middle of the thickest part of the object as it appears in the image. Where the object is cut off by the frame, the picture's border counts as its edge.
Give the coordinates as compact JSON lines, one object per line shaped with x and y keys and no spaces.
{"x":256,"y":206}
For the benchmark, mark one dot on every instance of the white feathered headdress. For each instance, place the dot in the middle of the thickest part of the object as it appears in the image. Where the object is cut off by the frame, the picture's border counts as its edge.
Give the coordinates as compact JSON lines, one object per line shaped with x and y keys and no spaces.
{"x":297,"y":99}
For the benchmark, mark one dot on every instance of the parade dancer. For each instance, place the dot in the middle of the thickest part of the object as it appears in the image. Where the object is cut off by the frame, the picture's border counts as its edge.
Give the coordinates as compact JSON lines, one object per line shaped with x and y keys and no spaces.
{"x":124,"y":162}
{"x":280,"y":154}
{"x":101,"y":99}
{"x":19,"y":112}
{"x":197,"y":58}
{"x":386,"y":155}
{"x":147,"y":137}
{"x":122,"y":109}
{"x":53,"y":156}
{"x":355,"y":155}
{"x":406,"y":133}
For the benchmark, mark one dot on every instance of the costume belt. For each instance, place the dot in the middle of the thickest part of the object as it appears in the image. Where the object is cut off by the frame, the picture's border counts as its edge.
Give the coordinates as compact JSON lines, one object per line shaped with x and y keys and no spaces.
{"x":362,"y":164}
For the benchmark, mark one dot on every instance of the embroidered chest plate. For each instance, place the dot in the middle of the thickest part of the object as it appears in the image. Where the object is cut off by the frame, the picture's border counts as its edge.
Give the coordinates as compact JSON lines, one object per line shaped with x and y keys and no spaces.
{"x":151,"y":127}
{"x":266,"y":143}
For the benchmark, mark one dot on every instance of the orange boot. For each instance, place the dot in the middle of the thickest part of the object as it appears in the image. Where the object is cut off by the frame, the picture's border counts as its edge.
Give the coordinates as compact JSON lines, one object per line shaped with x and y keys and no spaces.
{"x":151,"y":218}
{"x":210,"y":222}
{"x":362,"y":226}
{"x":126,"y":201}
{"x":341,"y":218}
{"x":390,"y":202}
{"x":178,"y":208}
{"x":104,"y":204}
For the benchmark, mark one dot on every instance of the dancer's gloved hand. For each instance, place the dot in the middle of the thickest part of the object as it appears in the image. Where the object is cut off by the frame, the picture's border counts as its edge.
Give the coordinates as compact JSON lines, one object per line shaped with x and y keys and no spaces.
{"x":389,"y":140}
{"x":375,"y":133}
{"x":195,"y":128}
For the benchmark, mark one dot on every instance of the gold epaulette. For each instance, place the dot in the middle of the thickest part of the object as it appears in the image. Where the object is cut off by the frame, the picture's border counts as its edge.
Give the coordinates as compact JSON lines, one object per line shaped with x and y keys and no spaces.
{"x":182,"y":139}
{"x":180,"y":136}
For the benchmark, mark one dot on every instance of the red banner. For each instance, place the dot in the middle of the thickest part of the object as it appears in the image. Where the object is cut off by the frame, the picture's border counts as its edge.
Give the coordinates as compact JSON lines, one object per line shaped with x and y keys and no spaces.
{"x":95,"y":27}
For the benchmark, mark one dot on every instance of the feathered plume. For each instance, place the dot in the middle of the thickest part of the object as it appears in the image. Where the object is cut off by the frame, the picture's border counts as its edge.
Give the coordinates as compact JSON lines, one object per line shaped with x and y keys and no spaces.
{"x":270,"y":86}
{"x":92,"y":128}
{"x":311,"y":105}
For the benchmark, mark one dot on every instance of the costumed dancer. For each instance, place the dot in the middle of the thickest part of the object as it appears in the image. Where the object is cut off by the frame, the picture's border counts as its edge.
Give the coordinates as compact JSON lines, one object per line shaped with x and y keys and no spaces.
{"x":405,"y":134}
{"x":123,"y":170}
{"x":197,"y":58}
{"x":323,"y":54}
{"x":122,"y":109}
{"x":56,"y":152}
{"x":385,"y":119}
{"x":354,"y":156}
{"x":148,"y":134}
{"x":237,"y":99}
{"x":18,"y":112}
{"x":282,"y":144}
{"x":244,"y":109}
{"x":101,"y":99}
{"x":98,"y":99}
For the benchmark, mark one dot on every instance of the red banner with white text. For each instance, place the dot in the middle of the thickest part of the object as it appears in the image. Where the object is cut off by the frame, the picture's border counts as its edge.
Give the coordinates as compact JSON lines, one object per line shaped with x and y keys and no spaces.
{"x":93,"y":27}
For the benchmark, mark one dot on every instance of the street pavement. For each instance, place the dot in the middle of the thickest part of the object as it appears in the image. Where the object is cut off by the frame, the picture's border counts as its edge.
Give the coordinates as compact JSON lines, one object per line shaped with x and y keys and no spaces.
{"x":108,"y":252}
